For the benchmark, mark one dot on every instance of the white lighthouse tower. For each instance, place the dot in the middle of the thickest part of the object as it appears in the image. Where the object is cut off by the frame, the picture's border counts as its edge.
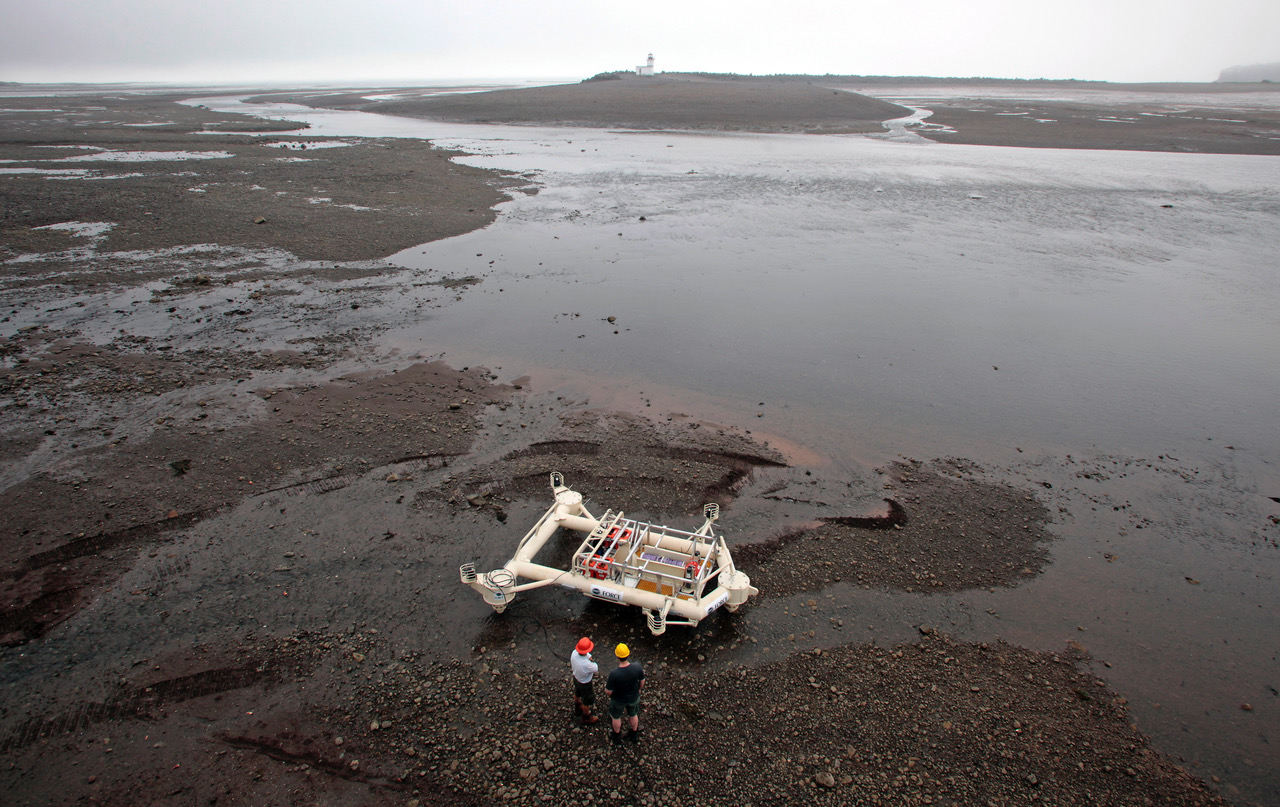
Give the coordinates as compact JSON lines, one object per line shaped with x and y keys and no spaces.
{"x":645,"y":69}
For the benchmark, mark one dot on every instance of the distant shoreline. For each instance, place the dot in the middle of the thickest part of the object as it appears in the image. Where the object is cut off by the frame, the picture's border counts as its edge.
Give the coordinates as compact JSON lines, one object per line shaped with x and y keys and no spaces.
{"x":668,"y":101}
{"x":843,"y":78}
{"x":979,"y":81}
{"x":1200,"y":117}
{"x":1209,"y":118}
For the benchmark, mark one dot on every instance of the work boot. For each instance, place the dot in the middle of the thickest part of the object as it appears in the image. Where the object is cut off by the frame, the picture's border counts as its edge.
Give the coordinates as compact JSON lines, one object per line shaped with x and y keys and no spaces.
{"x":616,"y":737}
{"x":589,"y":719}
{"x":634,"y":736}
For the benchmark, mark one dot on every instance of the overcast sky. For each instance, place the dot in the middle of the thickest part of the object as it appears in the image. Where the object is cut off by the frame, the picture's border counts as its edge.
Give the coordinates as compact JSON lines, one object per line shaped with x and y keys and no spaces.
{"x":386,"y":40}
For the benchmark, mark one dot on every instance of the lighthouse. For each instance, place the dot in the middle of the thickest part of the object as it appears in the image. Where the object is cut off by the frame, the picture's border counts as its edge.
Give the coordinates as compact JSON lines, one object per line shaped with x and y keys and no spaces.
{"x":645,"y":69}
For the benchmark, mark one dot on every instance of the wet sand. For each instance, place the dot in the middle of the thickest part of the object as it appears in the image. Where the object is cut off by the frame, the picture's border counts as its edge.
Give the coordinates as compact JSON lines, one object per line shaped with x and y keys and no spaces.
{"x":231,"y":574}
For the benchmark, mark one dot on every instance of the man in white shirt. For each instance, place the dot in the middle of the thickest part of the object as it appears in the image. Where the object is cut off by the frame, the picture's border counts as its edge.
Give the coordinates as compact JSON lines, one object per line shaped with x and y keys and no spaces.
{"x":584,"y":673}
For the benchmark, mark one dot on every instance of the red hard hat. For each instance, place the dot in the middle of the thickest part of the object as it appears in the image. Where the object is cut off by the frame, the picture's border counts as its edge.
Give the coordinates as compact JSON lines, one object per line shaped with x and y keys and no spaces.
{"x":585,"y":645}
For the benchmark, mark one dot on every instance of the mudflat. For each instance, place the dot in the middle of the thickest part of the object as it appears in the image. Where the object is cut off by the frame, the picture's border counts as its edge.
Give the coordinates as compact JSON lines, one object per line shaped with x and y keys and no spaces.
{"x":660,"y":102}
{"x":1192,"y":118}
{"x":230,"y":573}
{"x":1203,"y":118}
{"x":221,"y":181}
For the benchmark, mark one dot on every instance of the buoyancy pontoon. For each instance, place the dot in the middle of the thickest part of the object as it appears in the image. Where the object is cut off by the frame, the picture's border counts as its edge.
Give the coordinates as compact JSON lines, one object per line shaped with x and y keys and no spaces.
{"x":676,"y":577}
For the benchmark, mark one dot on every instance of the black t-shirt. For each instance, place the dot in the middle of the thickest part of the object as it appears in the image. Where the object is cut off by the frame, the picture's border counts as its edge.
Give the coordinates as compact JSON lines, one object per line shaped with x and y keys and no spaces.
{"x":624,"y":682}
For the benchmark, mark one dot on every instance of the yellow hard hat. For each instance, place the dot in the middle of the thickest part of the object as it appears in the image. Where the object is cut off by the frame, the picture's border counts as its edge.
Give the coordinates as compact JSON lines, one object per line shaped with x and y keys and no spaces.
{"x":622,"y":651}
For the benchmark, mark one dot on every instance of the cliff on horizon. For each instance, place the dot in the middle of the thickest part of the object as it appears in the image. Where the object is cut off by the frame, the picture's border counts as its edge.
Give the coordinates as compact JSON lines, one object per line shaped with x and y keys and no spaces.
{"x":1251,"y":73}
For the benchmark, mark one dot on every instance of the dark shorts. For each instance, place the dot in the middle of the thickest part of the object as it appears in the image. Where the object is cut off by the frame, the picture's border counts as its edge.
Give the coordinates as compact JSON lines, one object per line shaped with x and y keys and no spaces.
{"x":584,"y":692}
{"x":617,"y":708}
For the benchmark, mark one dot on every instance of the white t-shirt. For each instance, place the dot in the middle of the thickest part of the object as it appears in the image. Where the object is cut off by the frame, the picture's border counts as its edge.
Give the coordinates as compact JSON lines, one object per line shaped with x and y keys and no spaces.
{"x":584,"y":669}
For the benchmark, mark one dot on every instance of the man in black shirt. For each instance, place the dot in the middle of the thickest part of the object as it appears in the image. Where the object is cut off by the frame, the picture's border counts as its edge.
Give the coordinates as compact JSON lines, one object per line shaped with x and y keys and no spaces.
{"x":623,"y":688}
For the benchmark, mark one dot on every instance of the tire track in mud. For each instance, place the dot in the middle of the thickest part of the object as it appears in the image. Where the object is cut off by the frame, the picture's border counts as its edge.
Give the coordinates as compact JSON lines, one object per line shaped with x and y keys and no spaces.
{"x":57,"y":593}
{"x":30,"y":620}
{"x":116,"y":539}
{"x":34,"y":618}
{"x":142,"y":702}
{"x":558,"y":447}
{"x":291,"y":660}
{"x":328,"y":484}
{"x":274,"y":750}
